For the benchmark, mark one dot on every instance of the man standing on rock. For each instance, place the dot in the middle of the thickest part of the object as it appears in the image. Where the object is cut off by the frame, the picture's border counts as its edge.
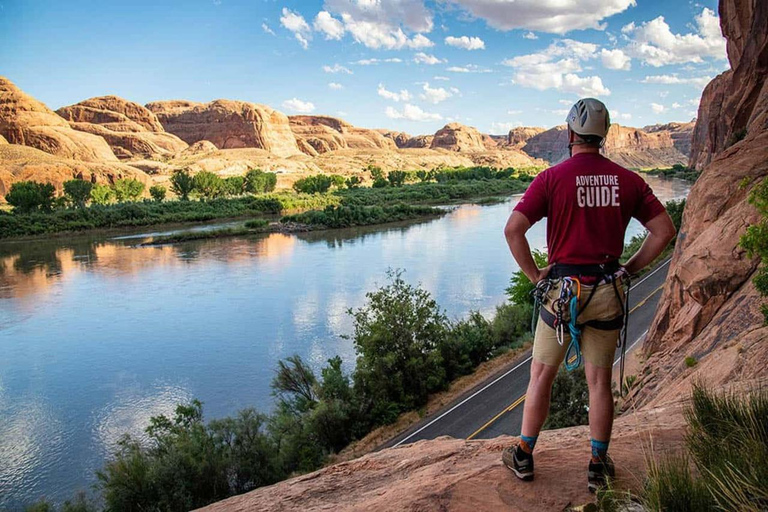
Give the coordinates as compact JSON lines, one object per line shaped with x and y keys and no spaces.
{"x":588,"y":201}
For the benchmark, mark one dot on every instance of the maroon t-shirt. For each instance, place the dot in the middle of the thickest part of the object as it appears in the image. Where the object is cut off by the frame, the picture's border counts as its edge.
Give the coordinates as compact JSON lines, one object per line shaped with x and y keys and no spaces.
{"x":588,"y":201}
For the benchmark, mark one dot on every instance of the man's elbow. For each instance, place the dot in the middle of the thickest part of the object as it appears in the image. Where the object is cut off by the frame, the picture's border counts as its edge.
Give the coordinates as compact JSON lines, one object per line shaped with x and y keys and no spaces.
{"x":513,"y":230}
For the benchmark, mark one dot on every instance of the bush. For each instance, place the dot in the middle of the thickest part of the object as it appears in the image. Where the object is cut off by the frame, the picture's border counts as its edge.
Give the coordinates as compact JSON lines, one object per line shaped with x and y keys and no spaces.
{"x":128,"y":189}
{"x":316,"y":184}
{"x":467,"y":344}
{"x":396,"y":178}
{"x":157,"y":192}
{"x":520,"y":290}
{"x":78,"y":192}
{"x":570,"y":400}
{"x":182,"y":184}
{"x":208,"y":185}
{"x":347,"y":216}
{"x":353,"y":182}
{"x":233,"y":186}
{"x":30,"y":196}
{"x":755,"y":240}
{"x":670,"y":486}
{"x":396,"y":336}
{"x":260,"y":182}
{"x":102,"y":194}
{"x":511,"y":324}
{"x":690,"y":362}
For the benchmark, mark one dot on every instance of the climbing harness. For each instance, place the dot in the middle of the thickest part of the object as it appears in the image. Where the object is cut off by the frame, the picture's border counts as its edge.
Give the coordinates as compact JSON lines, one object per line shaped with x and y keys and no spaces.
{"x":569,"y":301}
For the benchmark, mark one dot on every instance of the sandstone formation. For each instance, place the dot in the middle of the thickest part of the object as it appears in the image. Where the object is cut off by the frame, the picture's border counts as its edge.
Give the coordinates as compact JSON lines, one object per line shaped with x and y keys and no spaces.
{"x":457,"y":137}
{"x":21,"y":163}
{"x":681,"y":134}
{"x":518,"y":137}
{"x":129,"y":128}
{"x":401,"y":138}
{"x":630,"y":147}
{"x":323,"y":134}
{"x":419,"y":141}
{"x":709,"y":308}
{"x":26,"y":121}
{"x":468,"y":476}
{"x":227,"y":124}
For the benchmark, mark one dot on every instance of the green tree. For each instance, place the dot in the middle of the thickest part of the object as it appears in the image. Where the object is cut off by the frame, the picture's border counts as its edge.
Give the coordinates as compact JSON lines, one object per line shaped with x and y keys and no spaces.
{"x":316,"y":184}
{"x":570,"y":400}
{"x":208,"y":185}
{"x":182,"y":184}
{"x":259,"y":182}
{"x":78,"y":192}
{"x":157,"y":192}
{"x":338,"y":181}
{"x":30,"y":196}
{"x":353,"y":182}
{"x":396,"y":178}
{"x":520,"y":290}
{"x":234,"y":186}
{"x":128,"y":189}
{"x":102,"y":194}
{"x":396,"y":336}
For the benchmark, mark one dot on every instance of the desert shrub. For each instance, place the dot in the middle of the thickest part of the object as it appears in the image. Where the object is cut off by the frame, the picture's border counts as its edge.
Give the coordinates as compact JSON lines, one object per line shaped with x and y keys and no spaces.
{"x":102,"y":194}
{"x":30,"y":196}
{"x":157,"y":192}
{"x":128,"y":189}
{"x":208,"y":185}
{"x":467,"y":344}
{"x":259,"y":182}
{"x":396,"y":178}
{"x":671,"y":486}
{"x":78,"y":192}
{"x":511,"y":324}
{"x":353,"y":182}
{"x":570,"y":400}
{"x":316,"y":184}
{"x":233,"y":186}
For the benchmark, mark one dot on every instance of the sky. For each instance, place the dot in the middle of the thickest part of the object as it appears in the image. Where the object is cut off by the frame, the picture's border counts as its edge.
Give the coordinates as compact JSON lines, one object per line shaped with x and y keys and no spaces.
{"x":406,"y":65}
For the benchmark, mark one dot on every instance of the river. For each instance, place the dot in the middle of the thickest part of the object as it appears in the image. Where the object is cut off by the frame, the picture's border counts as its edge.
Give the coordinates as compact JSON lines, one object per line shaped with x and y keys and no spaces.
{"x":97,"y":334}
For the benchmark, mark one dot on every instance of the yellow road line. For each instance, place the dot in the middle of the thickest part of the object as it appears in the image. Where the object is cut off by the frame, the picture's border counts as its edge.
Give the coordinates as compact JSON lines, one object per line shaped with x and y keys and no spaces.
{"x":492,"y":420}
{"x":522,"y":398}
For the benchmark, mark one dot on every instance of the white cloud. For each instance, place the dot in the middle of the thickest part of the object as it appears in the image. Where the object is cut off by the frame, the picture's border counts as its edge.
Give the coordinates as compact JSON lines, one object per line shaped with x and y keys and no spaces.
{"x":615,"y":59}
{"x":403,"y":95}
{"x":466,"y":43}
{"x":411,"y":113}
{"x":411,"y":14}
{"x":504,"y":127}
{"x":530,"y":35}
{"x":444,"y":78}
{"x":469,"y":68}
{"x":676,"y":105}
{"x":438,"y":94}
{"x":514,"y":112}
{"x":615,"y":114}
{"x":330,"y":26}
{"x":423,"y":58}
{"x":552,"y":16}
{"x":335,"y":86}
{"x":266,"y":29}
{"x":658,"y":109}
{"x":371,"y":62}
{"x":696,"y":81}
{"x":296,"y":23}
{"x":336,"y":68}
{"x":297,"y":105}
{"x":654,"y":43}
{"x":556,"y":66}
{"x":377,"y":35}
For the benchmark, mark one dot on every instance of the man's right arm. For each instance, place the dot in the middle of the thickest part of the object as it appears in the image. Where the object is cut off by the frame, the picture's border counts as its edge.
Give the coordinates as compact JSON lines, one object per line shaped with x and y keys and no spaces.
{"x":661,"y":231}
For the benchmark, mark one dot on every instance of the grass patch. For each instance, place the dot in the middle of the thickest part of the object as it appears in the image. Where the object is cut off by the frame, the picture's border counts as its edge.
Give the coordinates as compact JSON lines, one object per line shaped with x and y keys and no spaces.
{"x":691,"y":361}
{"x":188,"y":236}
{"x":349,"y":216}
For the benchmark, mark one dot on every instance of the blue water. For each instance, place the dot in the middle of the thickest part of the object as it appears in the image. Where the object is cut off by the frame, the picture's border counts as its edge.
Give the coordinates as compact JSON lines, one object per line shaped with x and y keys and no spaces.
{"x":98,"y":335}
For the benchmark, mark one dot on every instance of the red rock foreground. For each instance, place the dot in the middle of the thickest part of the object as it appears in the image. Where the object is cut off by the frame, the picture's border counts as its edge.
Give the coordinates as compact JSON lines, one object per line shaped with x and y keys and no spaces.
{"x":456,"y":475}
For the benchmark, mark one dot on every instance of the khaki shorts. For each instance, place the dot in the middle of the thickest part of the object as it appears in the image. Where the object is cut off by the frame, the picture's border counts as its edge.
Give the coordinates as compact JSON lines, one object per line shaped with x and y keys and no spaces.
{"x":597,"y":346}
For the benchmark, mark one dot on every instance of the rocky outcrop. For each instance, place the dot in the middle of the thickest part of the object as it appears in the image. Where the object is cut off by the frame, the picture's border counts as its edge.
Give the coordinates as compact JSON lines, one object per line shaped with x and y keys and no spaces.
{"x":630,"y":147}
{"x":26,"y":121}
{"x":228,"y":124}
{"x":323,"y":134}
{"x":457,"y":137}
{"x":710,"y":309}
{"x":518,"y":137}
{"x":731,"y":103}
{"x":419,"y":141}
{"x":468,"y":476}
{"x":681,"y":134}
{"x":21,"y":163}
{"x":130,"y":129}
{"x":400,"y":138}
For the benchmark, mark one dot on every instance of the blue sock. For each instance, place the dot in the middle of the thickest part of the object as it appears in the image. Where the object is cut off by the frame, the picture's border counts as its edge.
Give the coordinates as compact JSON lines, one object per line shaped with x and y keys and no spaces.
{"x":599,"y":450}
{"x":527,"y":443}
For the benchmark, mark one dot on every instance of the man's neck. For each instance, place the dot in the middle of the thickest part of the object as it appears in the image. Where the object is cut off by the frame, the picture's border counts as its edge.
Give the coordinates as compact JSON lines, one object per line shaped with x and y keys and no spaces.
{"x":583,"y":148}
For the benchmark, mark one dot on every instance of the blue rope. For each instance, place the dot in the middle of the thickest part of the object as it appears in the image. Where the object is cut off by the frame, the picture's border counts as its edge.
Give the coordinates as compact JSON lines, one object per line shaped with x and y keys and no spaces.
{"x":573,"y":354}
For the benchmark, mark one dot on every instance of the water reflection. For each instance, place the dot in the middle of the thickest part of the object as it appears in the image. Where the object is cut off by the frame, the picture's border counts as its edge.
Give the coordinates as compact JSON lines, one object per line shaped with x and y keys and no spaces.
{"x":98,"y":335}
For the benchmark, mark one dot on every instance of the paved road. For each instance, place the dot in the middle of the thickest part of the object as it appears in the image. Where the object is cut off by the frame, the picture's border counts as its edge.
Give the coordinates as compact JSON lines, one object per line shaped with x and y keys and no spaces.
{"x":494,"y":407}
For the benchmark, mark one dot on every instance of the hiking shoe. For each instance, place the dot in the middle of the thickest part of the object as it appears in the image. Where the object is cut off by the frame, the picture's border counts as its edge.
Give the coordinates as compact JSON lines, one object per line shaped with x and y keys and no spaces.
{"x":599,"y":472}
{"x":520,"y":462}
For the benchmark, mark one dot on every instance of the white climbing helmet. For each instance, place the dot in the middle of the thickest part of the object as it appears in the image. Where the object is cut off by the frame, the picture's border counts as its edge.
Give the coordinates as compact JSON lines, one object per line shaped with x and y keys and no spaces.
{"x":589,"y":117}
